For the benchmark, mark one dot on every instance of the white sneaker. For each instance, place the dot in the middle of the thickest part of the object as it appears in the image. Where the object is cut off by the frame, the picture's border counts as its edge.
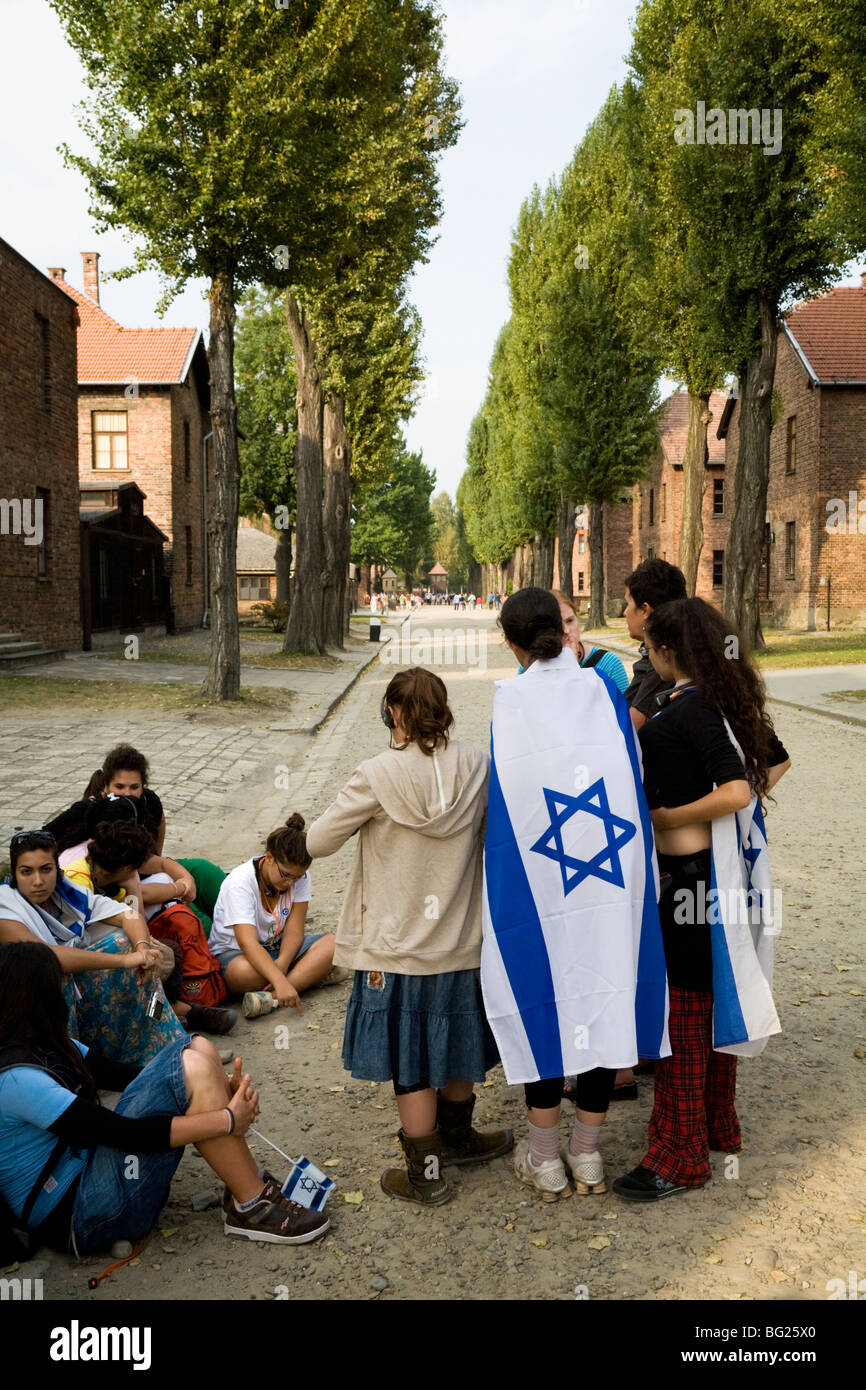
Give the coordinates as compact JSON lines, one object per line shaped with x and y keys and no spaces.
{"x":587,"y":1171}
{"x":549,"y":1178}
{"x":336,"y":975}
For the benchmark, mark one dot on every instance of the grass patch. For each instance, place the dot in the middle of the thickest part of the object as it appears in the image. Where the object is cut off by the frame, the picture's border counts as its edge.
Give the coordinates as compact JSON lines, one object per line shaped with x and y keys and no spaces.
{"x":26,"y":693}
{"x":846,"y":695}
{"x":812,"y":649}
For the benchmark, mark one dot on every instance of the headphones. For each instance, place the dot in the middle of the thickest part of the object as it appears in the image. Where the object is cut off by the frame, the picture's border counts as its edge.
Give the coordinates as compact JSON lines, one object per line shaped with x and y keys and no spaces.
{"x":387,"y":716}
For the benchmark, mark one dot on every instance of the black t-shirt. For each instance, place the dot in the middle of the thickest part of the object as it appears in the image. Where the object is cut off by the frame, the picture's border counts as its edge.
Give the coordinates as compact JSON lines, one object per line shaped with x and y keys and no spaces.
{"x":645,"y":685}
{"x":687,"y":751}
{"x":70,"y":827}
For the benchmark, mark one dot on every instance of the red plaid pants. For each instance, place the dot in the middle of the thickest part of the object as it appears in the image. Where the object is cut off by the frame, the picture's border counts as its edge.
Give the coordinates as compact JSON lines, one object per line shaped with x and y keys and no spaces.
{"x":693,"y":1106}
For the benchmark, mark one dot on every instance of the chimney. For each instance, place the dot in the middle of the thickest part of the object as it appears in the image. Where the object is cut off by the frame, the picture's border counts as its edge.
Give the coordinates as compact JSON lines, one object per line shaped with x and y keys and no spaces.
{"x":90,"y":261}
{"x":57,"y":272}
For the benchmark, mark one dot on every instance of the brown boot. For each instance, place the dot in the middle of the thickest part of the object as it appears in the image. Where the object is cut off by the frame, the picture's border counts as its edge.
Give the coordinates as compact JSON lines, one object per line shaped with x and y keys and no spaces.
{"x":461,"y":1143}
{"x":422,"y":1181}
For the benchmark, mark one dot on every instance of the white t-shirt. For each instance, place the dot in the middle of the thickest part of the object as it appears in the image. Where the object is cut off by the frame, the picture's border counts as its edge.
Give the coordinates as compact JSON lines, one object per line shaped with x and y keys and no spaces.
{"x":240,"y":900}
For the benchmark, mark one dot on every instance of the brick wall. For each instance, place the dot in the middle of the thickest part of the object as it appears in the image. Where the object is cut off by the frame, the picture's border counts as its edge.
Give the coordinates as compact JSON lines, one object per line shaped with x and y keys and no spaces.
{"x":157,"y":463}
{"x":38,"y":449}
{"x":841,"y":556}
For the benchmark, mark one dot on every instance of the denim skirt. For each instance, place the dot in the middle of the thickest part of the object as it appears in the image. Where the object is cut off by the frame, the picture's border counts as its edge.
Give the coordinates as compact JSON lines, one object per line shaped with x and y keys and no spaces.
{"x":416,"y":1029}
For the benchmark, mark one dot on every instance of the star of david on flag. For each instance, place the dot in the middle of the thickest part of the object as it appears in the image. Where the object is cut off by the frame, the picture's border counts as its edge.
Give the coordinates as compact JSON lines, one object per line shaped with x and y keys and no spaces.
{"x":561,"y":807}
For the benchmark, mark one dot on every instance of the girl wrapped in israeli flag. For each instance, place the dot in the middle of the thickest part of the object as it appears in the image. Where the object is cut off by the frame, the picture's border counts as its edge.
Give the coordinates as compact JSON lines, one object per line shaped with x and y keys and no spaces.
{"x":710,"y":755}
{"x":572,"y":964}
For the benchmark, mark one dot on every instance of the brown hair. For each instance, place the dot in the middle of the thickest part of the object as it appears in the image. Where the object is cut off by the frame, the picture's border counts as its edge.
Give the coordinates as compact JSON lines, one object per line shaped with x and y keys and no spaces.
{"x":562,"y":597}
{"x":288,"y":844}
{"x":422,"y":699}
{"x":122,"y":758}
{"x":532,"y":621}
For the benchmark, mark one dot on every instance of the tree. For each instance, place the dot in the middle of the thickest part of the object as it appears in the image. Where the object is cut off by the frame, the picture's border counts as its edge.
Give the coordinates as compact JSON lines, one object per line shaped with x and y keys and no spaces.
{"x":267,"y":416}
{"x":392,"y":521}
{"x":206,"y":117}
{"x":769,"y":206}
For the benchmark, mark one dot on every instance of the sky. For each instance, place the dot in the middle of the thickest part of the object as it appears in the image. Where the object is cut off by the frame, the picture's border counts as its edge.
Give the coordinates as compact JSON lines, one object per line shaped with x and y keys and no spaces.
{"x":532,"y":73}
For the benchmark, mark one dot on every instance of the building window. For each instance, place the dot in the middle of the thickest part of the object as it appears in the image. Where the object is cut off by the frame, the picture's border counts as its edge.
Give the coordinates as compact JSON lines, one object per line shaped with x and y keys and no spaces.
{"x":255,"y":587}
{"x":186,"y":455}
{"x":790,"y":548}
{"x":44,"y":349}
{"x":109,"y":439}
{"x":187,"y":531}
{"x":581,"y":544}
{"x":664,"y":501}
{"x":652,"y":508}
{"x":650,"y":552}
{"x":791,"y":446}
{"x":718,"y":569}
{"x":718,"y":497}
{"x":43,"y":513}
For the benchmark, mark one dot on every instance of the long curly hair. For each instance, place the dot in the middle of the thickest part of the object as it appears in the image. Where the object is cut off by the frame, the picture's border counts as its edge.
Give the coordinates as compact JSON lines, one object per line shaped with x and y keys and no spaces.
{"x":34,"y":1014}
{"x":422,"y":699}
{"x":711,"y":652}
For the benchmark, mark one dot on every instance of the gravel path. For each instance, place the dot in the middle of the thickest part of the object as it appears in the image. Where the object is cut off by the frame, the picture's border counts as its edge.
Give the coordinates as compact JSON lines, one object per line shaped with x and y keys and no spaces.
{"x":779,"y":1223}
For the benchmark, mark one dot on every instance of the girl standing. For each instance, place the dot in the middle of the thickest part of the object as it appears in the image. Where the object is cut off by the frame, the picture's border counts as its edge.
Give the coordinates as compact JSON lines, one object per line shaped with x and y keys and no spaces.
{"x":697,"y":778}
{"x":413,"y":938}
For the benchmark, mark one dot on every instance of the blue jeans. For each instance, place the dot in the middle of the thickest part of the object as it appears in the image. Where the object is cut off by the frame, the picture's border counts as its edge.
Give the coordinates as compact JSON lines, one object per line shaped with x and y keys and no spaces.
{"x":120,"y":1195}
{"x":274,"y":950}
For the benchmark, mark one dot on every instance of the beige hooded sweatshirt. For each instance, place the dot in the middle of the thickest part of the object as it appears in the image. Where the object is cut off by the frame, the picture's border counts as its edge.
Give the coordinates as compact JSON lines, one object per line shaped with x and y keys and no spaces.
{"x":413,"y":901}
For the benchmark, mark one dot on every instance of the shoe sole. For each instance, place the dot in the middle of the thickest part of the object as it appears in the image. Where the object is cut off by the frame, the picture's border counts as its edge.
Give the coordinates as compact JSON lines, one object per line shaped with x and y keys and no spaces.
{"x":586,"y":1189}
{"x":545,"y":1195}
{"x":268,"y":1238}
{"x":436,"y":1201}
{"x":649,"y":1196}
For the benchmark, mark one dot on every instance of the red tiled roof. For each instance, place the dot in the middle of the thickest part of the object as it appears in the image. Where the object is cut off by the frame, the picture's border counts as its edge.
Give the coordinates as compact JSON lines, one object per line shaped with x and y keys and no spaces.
{"x":830,"y":332}
{"x":674,"y":427}
{"x":437,"y":569}
{"x":109,"y":354}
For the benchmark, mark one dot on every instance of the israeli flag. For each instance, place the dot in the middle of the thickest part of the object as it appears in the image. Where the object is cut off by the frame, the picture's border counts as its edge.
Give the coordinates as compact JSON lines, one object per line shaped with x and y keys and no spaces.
{"x":572,"y":962}
{"x":740,"y":915}
{"x":308,"y":1185}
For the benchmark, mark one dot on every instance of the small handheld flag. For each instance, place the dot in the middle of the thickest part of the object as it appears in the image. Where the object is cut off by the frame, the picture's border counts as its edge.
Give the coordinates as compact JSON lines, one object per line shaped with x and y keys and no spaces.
{"x":306,"y":1184}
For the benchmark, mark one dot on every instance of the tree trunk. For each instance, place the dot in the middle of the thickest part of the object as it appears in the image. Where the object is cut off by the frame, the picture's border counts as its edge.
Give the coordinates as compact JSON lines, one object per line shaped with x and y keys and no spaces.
{"x":283,"y":563}
{"x":223,"y":679}
{"x":694,"y":482}
{"x":566,"y":543}
{"x":596,"y":564}
{"x":305,"y":631}
{"x":335,"y":519}
{"x":746,"y":536}
{"x":543,"y":568}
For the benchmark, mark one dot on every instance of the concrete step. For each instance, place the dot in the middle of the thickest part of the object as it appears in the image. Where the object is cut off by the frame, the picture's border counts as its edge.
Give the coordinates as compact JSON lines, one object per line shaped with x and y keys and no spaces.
{"x":18,"y":646}
{"x":11,"y":660}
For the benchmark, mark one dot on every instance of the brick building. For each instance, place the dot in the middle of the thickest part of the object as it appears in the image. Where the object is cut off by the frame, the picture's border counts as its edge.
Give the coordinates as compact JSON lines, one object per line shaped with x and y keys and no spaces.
{"x":657,"y":508}
{"x":143,"y":402}
{"x":39,"y":545}
{"x":617,"y":551}
{"x":815,"y":532}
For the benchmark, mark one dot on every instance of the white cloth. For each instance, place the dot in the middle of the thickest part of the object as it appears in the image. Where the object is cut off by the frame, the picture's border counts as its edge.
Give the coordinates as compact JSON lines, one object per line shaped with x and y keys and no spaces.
{"x":572,"y":962}
{"x":81,"y":913}
{"x":740,"y":916}
{"x":240,"y":900}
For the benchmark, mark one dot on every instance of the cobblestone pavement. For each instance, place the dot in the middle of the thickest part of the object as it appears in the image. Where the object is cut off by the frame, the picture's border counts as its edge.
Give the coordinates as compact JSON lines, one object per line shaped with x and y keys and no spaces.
{"x":778,"y":1222}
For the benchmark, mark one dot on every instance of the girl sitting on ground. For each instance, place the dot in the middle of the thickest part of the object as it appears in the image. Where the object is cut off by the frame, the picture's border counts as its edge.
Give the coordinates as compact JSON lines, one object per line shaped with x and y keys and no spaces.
{"x":118,"y":852}
{"x":258,"y":926}
{"x":124,"y":772}
{"x":66,"y":1162}
{"x":105,"y":947}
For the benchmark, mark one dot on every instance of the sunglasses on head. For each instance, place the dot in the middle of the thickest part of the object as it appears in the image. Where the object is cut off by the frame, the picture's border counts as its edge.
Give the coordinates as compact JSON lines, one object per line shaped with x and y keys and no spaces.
{"x":44,"y":837}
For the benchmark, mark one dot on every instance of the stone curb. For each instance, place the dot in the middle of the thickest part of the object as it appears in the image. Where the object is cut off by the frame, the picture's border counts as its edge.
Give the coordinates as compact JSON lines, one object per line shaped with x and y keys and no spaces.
{"x":340,"y":697}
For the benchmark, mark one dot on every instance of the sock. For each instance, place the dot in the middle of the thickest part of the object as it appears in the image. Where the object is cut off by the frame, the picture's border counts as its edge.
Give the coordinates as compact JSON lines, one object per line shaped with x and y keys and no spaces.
{"x":584,"y":1139}
{"x":543,"y":1144}
{"x":248,"y":1206}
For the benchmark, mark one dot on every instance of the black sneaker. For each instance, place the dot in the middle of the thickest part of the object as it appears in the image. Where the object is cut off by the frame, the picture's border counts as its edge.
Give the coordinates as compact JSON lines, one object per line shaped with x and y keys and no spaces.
{"x":642,"y":1185}
{"x":204,"y":1019}
{"x":279,"y":1222}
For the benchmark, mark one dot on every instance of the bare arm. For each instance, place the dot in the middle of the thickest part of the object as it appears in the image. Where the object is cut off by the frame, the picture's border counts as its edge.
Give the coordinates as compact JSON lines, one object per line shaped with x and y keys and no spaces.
{"x":258,"y":957}
{"x":776,"y":772}
{"x":74,"y":960}
{"x":637,"y":719}
{"x":729,"y":797}
{"x":293,"y":933}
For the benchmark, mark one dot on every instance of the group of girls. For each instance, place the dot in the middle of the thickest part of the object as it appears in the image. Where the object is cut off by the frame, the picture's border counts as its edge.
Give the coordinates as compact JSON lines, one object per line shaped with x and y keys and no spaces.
{"x":416,"y":1015}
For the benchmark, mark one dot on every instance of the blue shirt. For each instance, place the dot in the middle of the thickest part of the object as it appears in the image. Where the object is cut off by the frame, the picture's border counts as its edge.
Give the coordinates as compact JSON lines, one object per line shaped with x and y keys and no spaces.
{"x":611,"y":665}
{"x":30,"y":1101}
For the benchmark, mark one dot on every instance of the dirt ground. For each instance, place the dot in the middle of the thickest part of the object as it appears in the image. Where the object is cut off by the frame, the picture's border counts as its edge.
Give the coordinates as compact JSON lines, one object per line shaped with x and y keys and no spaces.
{"x":779,"y":1222}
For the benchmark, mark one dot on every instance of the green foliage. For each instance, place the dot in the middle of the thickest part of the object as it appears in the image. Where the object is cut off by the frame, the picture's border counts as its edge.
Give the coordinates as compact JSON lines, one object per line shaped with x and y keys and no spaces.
{"x":265,"y":386}
{"x":275,"y":614}
{"x":391,"y":522}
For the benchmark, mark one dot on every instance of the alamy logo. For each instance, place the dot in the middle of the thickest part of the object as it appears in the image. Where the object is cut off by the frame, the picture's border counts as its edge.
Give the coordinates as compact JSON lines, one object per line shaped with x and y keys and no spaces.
{"x":734,"y":127}
{"x":76,"y":1343}
{"x":22,"y":517}
{"x":20,"y":1290}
